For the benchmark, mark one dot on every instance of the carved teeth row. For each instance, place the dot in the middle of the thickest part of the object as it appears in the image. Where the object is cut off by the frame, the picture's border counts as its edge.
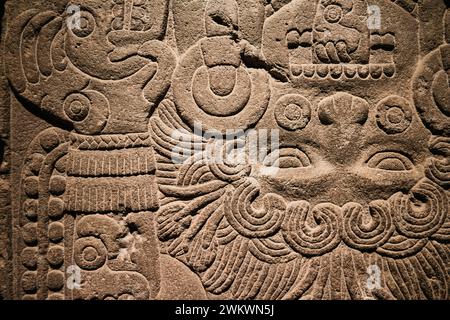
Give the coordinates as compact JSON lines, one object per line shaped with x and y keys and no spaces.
{"x":111,"y":163}
{"x":338,"y":71}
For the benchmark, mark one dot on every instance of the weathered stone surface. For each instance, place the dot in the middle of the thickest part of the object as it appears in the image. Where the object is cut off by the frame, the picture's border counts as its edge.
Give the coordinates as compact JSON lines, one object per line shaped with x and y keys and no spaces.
{"x":5,"y":209}
{"x":225,"y":149}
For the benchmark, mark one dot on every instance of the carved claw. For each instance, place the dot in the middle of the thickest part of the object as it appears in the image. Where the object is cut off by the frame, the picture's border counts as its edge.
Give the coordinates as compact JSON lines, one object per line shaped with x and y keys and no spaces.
{"x":156,"y":88}
{"x":29,"y":33}
{"x":34,"y":49}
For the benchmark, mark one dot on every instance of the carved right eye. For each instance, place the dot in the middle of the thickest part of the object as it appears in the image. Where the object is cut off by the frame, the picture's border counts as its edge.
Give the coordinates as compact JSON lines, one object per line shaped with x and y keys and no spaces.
{"x":391,"y":161}
{"x":287,"y":158}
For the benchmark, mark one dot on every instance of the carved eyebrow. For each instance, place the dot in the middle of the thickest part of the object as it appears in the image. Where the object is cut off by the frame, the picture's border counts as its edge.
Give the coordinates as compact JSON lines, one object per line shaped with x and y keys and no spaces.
{"x":402,"y":149}
{"x":292,"y":153}
{"x":311,"y":149}
{"x":375,"y":160}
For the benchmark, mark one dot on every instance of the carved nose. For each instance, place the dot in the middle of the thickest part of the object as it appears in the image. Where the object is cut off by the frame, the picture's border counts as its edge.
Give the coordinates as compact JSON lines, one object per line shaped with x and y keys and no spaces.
{"x":343,"y":109}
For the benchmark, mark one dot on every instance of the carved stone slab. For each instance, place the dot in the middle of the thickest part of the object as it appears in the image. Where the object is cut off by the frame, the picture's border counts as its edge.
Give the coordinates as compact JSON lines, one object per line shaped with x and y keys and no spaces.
{"x":225,"y":149}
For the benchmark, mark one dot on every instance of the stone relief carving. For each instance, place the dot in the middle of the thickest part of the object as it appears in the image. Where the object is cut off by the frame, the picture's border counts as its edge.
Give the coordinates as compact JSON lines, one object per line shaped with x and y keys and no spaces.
{"x":133,"y":128}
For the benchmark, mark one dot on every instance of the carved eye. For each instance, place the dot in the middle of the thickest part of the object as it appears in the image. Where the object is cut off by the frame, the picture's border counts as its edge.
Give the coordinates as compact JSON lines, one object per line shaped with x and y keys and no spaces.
{"x":81,"y":23}
{"x":391,"y":161}
{"x":77,"y":106}
{"x":333,"y":13}
{"x":287,"y":158}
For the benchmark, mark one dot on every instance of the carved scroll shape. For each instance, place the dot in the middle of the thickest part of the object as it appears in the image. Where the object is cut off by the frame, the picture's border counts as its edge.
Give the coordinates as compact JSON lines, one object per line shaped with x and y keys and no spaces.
{"x":46,"y":53}
{"x":254,"y":222}
{"x":367,"y":230}
{"x":432,"y":92}
{"x":421,"y":213}
{"x":399,"y":246}
{"x":439,"y":166}
{"x":312,"y":232}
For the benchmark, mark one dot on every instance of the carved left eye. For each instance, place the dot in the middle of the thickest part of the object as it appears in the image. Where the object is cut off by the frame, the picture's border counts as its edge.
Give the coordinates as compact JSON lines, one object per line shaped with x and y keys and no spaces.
{"x":333,"y":13}
{"x":287,"y":158}
{"x":391,"y":161}
{"x":82,"y":24}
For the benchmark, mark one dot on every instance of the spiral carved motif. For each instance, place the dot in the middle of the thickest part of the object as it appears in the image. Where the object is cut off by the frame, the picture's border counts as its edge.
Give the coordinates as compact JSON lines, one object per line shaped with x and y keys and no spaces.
{"x":439,"y":166}
{"x":254,"y":222}
{"x":90,"y":253}
{"x":229,"y":164}
{"x":421,"y":213}
{"x":89,"y":111}
{"x":369,"y":233}
{"x":312,"y":232}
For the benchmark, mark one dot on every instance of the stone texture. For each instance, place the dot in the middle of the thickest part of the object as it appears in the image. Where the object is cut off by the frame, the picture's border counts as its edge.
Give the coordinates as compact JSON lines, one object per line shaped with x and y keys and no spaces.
{"x":5,"y":209}
{"x":225,"y":149}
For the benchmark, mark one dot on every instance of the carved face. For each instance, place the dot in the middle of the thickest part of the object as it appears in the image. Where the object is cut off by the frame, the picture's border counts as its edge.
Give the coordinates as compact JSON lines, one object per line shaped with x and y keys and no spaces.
{"x":340,"y":31}
{"x":90,"y":53}
{"x":358,"y":185}
{"x":348,"y":150}
{"x":111,"y":32}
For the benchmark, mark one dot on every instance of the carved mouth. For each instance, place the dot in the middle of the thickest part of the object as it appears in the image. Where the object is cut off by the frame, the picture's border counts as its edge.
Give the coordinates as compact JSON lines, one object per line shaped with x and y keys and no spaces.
{"x":120,"y":54}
